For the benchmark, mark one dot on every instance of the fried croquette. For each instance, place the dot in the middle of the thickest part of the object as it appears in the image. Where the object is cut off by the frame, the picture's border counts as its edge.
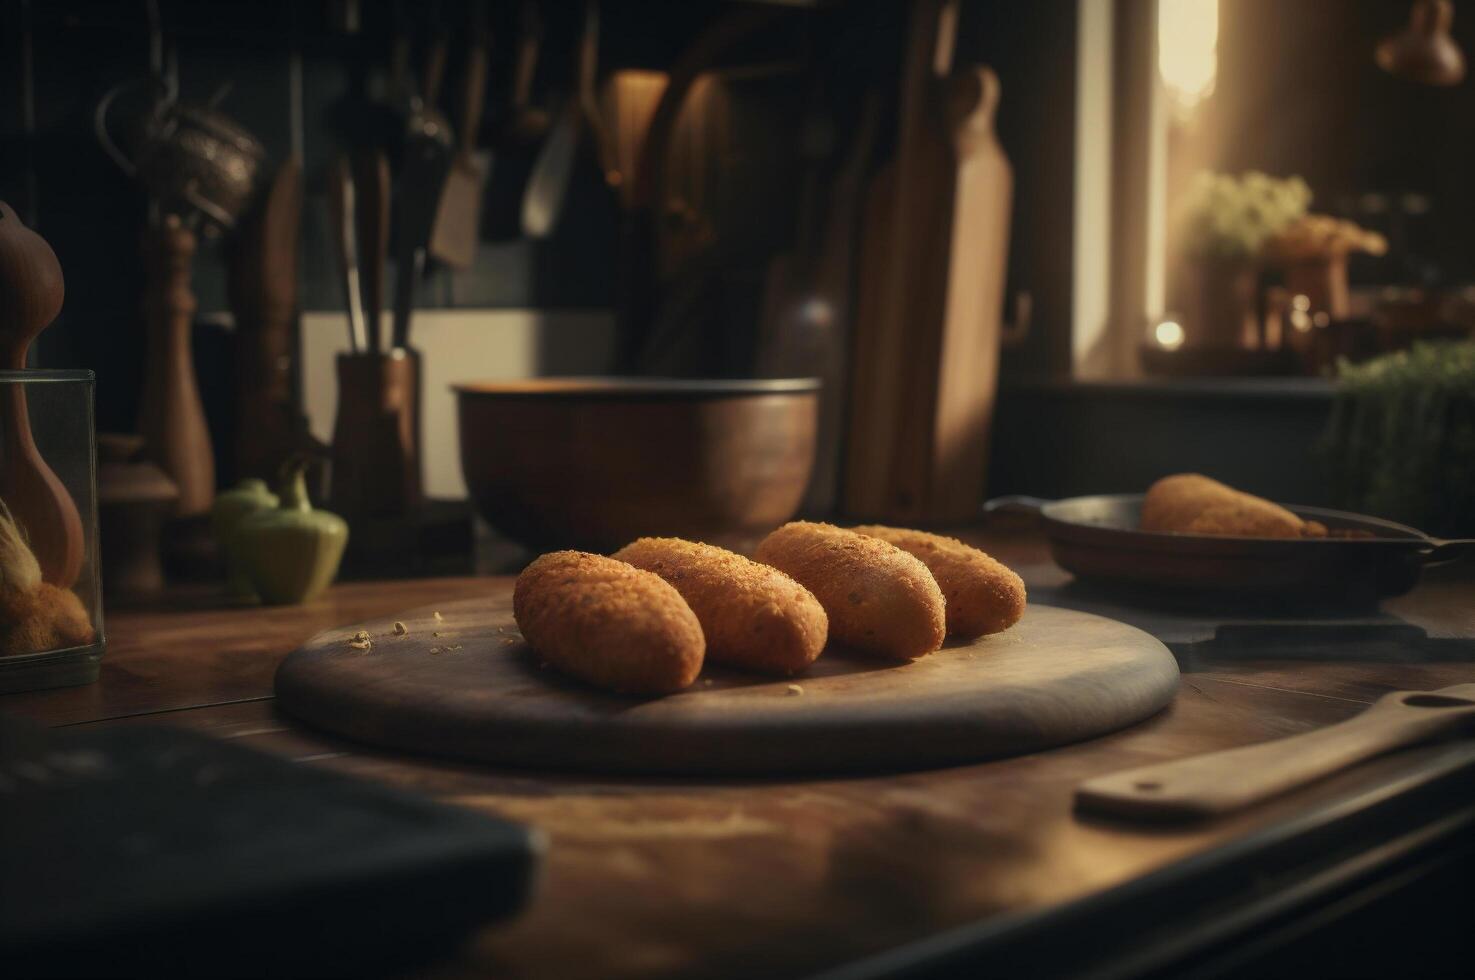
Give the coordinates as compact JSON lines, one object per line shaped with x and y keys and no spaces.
{"x":608,"y":623}
{"x":1188,"y":503}
{"x":983,"y":595}
{"x":753,"y":616}
{"x":879,"y":598}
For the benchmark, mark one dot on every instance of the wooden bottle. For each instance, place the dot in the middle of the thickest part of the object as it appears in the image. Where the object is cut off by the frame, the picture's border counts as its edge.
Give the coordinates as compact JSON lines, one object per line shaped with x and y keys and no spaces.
{"x":31,"y":291}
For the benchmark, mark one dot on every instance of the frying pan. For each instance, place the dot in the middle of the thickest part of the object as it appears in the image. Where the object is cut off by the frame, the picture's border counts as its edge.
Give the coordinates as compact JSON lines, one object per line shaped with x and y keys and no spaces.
{"x":1100,"y":539}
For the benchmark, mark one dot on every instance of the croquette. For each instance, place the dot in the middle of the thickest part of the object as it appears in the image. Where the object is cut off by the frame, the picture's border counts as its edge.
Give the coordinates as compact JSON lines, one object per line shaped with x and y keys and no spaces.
{"x":879,"y":599}
{"x":608,"y":623}
{"x":1188,"y":503}
{"x":983,"y":595}
{"x":753,"y":616}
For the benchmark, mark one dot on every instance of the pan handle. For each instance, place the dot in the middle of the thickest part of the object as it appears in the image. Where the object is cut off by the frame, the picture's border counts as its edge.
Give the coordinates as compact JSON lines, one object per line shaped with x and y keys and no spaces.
{"x":1445,"y":551}
{"x":1016,"y":504}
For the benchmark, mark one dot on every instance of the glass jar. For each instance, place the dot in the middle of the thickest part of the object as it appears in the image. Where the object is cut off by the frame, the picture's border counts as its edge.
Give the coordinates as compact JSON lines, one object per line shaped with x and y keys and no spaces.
{"x":51,"y":631}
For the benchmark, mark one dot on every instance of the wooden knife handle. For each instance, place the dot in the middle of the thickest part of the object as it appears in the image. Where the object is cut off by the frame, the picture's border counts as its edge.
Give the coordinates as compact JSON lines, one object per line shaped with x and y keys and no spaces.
{"x":527,"y":56}
{"x":371,"y":217}
{"x":475,"y":91}
{"x":435,"y":70}
{"x":1220,"y":782}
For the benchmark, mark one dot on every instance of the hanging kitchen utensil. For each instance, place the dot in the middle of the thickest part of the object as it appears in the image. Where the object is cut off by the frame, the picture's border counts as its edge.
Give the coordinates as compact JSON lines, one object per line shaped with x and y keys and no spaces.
{"x":458,"y":216}
{"x":427,"y":157}
{"x":520,"y":136}
{"x":197,"y":165}
{"x":578,"y":127}
{"x":1221,"y":782}
{"x":343,"y":216}
{"x":371,"y":189}
{"x":1424,"y":52}
{"x":31,"y":291}
{"x":194,"y":161}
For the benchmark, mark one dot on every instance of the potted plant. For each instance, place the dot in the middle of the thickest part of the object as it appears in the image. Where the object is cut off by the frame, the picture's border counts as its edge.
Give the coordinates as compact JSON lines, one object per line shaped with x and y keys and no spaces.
{"x":1225,"y":221}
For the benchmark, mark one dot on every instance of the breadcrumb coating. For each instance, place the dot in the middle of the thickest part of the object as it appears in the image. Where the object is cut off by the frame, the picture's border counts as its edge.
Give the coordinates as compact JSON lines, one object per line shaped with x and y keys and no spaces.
{"x":753,"y":616}
{"x":983,"y":594}
{"x":879,"y":599}
{"x":1188,"y":503}
{"x":608,"y":623}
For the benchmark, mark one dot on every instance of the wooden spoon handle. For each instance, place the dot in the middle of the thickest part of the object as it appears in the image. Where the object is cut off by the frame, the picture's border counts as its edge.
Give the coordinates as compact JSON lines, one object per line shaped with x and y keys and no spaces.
{"x":1217,"y":783}
{"x":474,"y":92}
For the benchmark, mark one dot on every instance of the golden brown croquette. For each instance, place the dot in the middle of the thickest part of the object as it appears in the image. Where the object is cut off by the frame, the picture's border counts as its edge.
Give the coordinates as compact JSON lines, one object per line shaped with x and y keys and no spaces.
{"x":1187,"y":503}
{"x":753,"y":616}
{"x":983,"y":594}
{"x":608,"y":623}
{"x":878,"y":598}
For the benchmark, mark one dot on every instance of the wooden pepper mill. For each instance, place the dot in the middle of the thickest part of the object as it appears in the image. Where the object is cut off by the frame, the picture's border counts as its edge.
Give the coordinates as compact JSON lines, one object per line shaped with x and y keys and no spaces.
{"x":31,"y":291}
{"x":173,"y":417}
{"x":263,"y":296}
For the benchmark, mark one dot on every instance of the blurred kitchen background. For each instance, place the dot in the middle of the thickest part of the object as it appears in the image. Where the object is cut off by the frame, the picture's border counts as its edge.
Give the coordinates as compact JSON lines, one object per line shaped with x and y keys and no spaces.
{"x":1212,"y":212}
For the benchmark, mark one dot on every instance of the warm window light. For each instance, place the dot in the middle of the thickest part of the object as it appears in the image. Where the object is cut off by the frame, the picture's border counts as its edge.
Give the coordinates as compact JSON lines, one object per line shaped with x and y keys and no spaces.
{"x":1169,"y":335}
{"x":1187,"y":42}
{"x":1300,"y":313}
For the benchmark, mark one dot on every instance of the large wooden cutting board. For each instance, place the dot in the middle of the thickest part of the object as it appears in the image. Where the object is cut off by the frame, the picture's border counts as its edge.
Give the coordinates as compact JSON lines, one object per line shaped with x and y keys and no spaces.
{"x":477,"y":691}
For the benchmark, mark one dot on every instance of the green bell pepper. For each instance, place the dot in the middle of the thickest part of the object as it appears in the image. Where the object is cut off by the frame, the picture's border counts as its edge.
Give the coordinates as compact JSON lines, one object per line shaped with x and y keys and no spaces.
{"x":231,"y":507}
{"x":292,"y":552}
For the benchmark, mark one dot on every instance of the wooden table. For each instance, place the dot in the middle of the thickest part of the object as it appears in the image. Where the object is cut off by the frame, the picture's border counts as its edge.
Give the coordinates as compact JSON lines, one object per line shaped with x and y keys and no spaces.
{"x":778,"y":878}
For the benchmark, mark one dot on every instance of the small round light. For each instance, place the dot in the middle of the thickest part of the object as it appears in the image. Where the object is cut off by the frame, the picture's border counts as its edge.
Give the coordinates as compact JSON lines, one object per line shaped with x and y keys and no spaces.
{"x":1321,"y":318}
{"x":1301,"y":302}
{"x":1169,"y":335}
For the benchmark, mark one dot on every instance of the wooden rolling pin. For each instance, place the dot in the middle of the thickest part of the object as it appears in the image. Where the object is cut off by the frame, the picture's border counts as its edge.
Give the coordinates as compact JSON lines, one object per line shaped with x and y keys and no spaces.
{"x":1221,"y":782}
{"x":31,"y":291}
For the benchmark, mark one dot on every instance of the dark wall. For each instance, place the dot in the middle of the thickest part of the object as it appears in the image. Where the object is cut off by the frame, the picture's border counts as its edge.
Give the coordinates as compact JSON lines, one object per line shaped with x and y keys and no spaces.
{"x":1298,"y":92}
{"x":1032,"y":47}
{"x":59,"y":179}
{"x":1261,"y":435}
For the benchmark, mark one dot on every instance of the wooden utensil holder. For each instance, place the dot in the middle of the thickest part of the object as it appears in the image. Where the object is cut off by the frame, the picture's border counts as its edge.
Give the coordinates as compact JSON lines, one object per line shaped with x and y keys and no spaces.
{"x":376,"y":437}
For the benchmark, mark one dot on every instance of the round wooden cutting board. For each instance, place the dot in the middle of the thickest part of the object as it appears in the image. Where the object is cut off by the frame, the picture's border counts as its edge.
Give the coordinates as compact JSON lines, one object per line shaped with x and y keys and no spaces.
{"x":467,"y":686}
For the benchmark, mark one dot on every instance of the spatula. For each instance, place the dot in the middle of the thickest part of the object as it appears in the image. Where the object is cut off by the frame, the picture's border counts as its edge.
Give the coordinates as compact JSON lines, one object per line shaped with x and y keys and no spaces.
{"x":458,"y":216}
{"x":521,"y":132}
{"x":342,"y":215}
{"x":1221,"y":782}
{"x":371,"y":187}
{"x":427,"y":155}
{"x":542,"y":204}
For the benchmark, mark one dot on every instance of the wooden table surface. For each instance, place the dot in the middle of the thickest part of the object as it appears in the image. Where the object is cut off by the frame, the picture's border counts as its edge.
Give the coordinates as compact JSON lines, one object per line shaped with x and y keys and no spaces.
{"x":744,"y":877}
